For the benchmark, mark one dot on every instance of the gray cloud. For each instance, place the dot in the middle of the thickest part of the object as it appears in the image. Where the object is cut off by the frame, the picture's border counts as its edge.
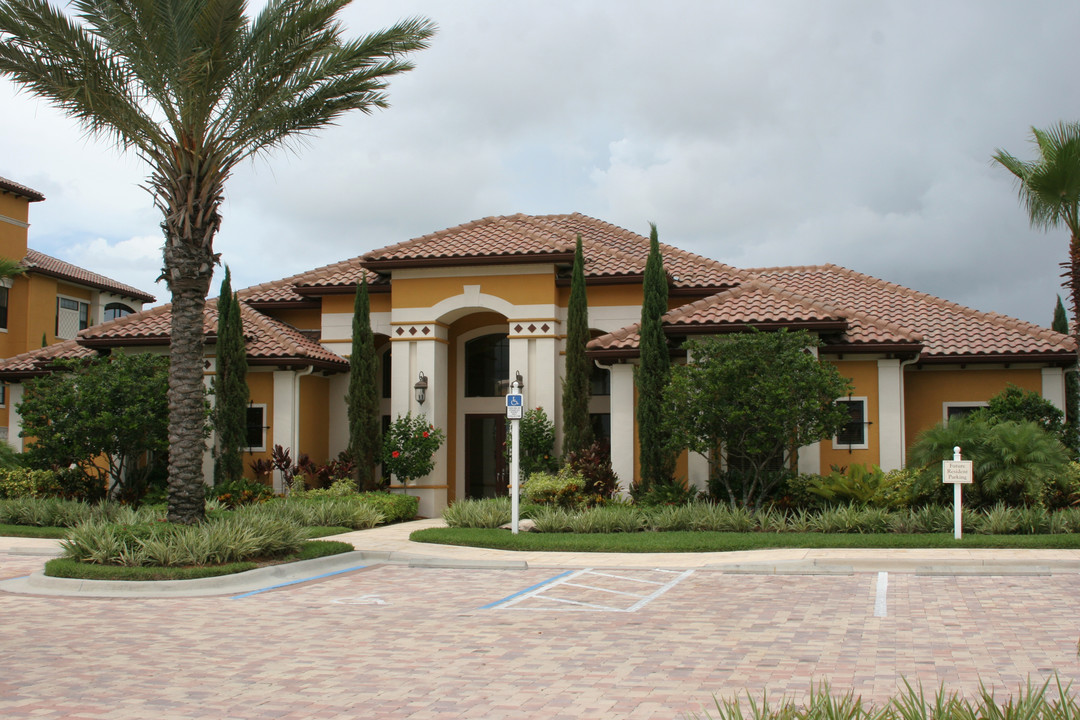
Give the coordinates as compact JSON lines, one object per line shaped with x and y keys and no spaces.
{"x":759,"y":134}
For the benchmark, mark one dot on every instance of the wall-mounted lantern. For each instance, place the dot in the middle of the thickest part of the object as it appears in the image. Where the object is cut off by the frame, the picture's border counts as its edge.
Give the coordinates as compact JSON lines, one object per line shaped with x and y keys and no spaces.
{"x":421,"y":389}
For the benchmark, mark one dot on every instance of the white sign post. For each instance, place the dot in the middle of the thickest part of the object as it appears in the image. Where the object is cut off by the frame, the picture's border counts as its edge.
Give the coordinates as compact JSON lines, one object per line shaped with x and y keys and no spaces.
{"x":959,"y":473}
{"x":515,"y":407}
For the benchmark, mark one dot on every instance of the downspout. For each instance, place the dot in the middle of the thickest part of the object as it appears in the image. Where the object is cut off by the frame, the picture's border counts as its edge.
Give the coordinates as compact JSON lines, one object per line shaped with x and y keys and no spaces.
{"x":296,"y":408}
{"x":903,"y":409}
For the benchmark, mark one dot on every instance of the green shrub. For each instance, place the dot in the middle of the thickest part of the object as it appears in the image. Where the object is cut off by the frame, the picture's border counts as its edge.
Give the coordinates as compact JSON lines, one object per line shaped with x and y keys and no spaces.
{"x":350,"y":512}
{"x":485,"y":513}
{"x":1013,"y":461}
{"x":214,"y":542}
{"x":342,"y":487}
{"x":607,"y":519}
{"x":795,"y":492}
{"x":239,"y":492}
{"x":394,"y":507}
{"x":668,"y":518}
{"x":550,"y":519}
{"x":24,"y":482}
{"x":673,"y":493}
{"x":851,"y":519}
{"x":860,"y":485}
{"x":537,"y":436}
{"x":722,"y":518}
{"x":565,"y":490}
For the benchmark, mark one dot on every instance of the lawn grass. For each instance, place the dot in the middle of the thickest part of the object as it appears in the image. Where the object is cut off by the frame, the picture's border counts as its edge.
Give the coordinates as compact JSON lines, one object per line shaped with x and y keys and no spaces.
{"x":63,"y":568}
{"x":675,"y":542}
{"x":32,"y":531}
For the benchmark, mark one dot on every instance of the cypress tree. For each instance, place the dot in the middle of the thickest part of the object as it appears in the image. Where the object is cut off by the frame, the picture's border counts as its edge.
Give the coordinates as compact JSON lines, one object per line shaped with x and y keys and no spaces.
{"x":230,"y":387}
{"x":365,"y":430}
{"x":577,"y":430}
{"x":1072,"y":383}
{"x":657,"y":460}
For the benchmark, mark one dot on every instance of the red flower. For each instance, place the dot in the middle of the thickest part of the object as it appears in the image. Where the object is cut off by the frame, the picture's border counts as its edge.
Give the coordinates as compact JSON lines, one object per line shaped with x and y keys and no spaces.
{"x":425,"y":433}
{"x":394,"y":454}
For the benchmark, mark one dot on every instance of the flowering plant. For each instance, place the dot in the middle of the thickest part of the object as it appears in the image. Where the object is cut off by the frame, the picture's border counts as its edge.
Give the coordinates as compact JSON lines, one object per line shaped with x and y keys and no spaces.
{"x":409,"y":447}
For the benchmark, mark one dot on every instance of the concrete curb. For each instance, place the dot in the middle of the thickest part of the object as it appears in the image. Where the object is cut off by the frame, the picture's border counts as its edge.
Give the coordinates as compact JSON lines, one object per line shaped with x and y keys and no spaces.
{"x":259,"y":579}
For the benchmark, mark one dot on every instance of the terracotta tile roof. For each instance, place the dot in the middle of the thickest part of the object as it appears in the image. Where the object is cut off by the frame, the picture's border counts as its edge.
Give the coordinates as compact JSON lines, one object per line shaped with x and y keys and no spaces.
{"x":763,"y":306}
{"x":295,"y":290}
{"x":610,"y":251}
{"x":629,"y":251}
{"x":48,"y":265}
{"x":490,"y":239}
{"x":268,"y":341}
{"x":10,"y":186}
{"x":41,"y":361}
{"x":949,"y":330}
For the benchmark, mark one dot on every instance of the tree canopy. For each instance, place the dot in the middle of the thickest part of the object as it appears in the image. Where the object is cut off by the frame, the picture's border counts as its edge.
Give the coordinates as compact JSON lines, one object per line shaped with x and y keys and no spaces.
{"x":108,"y":416}
{"x":749,"y":400}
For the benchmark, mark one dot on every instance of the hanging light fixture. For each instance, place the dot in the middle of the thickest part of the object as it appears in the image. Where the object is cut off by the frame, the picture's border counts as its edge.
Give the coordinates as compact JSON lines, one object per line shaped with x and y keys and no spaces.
{"x":421,"y":389}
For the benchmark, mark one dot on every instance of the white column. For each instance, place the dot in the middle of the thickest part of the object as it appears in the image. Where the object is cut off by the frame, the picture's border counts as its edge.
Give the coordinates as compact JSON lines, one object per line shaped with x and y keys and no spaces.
{"x":14,"y":397}
{"x":422,"y":347}
{"x":284,"y":419}
{"x":622,"y":424}
{"x":697,"y":471}
{"x":1053,"y":386}
{"x":890,"y":415}
{"x":208,"y":452}
{"x":810,"y":458}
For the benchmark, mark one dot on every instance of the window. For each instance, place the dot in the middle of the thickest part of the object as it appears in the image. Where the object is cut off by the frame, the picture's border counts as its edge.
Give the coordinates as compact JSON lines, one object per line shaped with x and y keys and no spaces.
{"x":71,"y":317}
{"x":256,"y":428}
{"x":487,"y":365}
{"x":3,"y":394}
{"x":116,"y":310}
{"x":3,"y":308}
{"x":853,"y":436}
{"x":387,"y":373}
{"x":951,"y":410}
{"x":599,"y":381}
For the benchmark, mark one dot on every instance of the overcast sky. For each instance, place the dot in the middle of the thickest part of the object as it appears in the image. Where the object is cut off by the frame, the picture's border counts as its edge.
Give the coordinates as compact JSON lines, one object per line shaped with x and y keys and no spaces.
{"x":756,"y":133}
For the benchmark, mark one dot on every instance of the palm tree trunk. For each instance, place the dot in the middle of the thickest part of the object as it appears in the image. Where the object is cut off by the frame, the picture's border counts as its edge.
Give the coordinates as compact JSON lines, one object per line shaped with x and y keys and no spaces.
{"x":187,"y":414}
{"x":189,"y":197}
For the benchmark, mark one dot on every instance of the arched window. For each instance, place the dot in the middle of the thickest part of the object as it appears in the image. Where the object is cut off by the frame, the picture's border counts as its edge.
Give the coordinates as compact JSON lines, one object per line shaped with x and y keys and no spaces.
{"x":487,"y":365}
{"x":116,"y":310}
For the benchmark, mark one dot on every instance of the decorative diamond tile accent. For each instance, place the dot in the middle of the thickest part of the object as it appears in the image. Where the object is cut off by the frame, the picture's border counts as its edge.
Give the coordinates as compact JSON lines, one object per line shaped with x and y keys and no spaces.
{"x":400,"y":332}
{"x":532,"y":328}
{"x":545,"y":327}
{"x":518,"y":328}
{"x":412,"y":330}
{"x":426,"y":330}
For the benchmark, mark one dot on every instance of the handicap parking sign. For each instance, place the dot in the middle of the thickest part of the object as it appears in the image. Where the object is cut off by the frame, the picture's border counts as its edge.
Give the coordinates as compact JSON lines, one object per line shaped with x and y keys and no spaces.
{"x":514,"y":405}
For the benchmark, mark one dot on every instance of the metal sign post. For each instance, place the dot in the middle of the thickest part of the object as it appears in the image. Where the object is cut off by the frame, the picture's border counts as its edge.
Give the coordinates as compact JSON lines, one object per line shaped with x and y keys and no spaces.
{"x":959,"y":473}
{"x":515,"y":407}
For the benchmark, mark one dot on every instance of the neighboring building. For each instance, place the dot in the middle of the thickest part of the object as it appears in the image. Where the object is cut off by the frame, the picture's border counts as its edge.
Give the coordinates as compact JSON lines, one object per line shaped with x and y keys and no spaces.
{"x":52,"y":300}
{"x":472,"y":305}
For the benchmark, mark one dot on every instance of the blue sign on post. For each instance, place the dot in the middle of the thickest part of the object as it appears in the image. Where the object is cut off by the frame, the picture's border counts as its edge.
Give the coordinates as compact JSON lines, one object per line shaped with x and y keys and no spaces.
{"x":515,"y":404}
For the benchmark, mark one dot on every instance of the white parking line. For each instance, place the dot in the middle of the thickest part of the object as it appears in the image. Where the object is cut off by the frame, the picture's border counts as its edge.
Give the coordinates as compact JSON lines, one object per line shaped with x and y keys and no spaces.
{"x":580,"y":579}
{"x":879,"y":599}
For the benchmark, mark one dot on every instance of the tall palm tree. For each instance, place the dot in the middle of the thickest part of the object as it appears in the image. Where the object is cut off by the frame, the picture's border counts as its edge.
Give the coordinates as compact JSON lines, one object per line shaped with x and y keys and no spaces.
{"x":1049,"y":189}
{"x":194,"y":87}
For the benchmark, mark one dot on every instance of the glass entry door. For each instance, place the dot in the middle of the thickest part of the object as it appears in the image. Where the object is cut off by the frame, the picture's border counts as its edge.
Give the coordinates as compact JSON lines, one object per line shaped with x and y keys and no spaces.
{"x":485,"y":457}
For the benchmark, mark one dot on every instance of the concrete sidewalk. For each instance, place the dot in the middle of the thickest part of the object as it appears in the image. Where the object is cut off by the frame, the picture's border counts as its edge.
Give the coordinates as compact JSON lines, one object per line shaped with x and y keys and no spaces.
{"x":391,"y":544}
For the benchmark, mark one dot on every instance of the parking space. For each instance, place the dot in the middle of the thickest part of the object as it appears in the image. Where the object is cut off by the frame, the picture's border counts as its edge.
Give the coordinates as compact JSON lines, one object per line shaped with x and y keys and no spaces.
{"x":590,"y":590}
{"x":390,"y":641}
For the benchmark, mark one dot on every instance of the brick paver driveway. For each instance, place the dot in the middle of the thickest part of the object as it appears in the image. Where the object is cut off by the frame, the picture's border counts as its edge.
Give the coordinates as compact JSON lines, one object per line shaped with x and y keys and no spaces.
{"x":391,"y":641}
